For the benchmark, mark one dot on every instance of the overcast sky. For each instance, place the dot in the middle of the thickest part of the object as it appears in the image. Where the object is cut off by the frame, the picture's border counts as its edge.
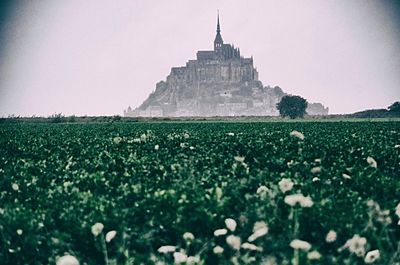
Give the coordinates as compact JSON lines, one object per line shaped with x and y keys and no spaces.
{"x":97,"y":57}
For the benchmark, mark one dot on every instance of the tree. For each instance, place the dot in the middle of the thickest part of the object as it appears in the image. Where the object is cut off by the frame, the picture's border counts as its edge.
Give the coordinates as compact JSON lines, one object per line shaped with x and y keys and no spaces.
{"x":395,"y":107}
{"x":292,"y":106}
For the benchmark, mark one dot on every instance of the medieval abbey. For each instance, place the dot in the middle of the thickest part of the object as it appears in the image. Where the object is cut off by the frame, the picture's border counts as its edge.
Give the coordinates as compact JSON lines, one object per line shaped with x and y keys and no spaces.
{"x":220,"y":82}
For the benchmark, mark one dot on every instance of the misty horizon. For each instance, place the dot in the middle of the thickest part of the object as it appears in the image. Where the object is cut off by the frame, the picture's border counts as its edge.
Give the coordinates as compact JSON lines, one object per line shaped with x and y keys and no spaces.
{"x":97,"y":58}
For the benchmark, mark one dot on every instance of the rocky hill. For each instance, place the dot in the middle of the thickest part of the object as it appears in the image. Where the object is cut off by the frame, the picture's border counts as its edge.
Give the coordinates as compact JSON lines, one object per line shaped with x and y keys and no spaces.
{"x":219,"y":82}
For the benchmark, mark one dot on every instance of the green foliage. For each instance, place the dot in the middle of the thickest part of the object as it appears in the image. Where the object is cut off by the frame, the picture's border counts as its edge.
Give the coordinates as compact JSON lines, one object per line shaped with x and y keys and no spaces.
{"x":292,"y":106}
{"x":392,"y":111}
{"x":395,"y":107}
{"x":153,"y":181}
{"x":57,"y":118}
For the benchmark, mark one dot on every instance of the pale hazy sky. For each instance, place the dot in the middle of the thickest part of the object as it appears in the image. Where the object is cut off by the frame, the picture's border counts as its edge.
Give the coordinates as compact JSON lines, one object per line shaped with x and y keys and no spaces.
{"x":96,"y":57}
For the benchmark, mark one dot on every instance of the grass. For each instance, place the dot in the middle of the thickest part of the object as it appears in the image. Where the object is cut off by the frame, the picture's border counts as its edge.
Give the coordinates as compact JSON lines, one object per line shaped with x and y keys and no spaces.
{"x":153,"y":181}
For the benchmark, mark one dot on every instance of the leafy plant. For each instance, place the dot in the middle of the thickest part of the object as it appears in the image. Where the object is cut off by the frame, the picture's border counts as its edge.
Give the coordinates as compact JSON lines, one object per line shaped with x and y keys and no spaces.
{"x":292,"y":106}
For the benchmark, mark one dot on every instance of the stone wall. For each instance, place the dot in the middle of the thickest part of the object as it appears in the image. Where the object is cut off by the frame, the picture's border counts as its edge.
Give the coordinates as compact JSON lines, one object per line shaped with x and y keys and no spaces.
{"x":218,"y":83}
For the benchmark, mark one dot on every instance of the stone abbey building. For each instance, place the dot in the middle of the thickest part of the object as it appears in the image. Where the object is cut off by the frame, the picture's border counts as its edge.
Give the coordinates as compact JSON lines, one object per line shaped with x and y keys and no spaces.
{"x":220,"y":82}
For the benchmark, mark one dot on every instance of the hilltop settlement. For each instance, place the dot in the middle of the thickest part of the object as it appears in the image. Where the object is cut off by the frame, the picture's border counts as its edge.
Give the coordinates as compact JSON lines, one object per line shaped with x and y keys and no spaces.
{"x":220,"y":82}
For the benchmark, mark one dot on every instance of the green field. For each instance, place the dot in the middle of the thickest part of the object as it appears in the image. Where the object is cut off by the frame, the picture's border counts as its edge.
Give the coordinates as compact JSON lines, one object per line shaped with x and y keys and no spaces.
{"x":152,"y":182}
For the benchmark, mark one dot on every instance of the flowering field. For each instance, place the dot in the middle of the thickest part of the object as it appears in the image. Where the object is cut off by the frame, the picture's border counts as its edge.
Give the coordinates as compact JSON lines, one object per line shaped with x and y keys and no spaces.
{"x":200,"y":193}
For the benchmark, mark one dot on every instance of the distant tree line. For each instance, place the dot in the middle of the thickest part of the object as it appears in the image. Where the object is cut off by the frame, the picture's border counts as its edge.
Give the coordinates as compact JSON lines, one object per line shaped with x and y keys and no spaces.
{"x":393,"y":111}
{"x":295,"y":107}
{"x":60,"y":118}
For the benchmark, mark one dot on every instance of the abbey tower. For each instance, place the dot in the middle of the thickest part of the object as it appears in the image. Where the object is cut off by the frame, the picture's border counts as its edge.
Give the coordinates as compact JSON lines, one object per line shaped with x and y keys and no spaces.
{"x":220,"y":82}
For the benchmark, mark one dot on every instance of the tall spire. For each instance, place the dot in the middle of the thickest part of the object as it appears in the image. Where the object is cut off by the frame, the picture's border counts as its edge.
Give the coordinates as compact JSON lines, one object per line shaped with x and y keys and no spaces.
{"x":218,"y":39}
{"x":218,"y":27}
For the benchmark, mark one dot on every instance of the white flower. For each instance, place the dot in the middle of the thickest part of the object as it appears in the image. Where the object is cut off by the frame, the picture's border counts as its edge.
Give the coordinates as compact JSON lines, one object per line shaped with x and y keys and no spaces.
{"x":331,"y":236}
{"x":230,"y":224}
{"x":233,"y":241}
{"x":166,"y":249}
{"x":143,"y":137}
{"x":192,"y":260}
{"x":316,"y":170}
{"x":117,"y":139}
{"x":110,"y":235}
{"x":66,"y":184}
{"x":179,"y":257}
{"x":285,"y":185}
{"x":250,"y":246}
{"x":220,"y":232}
{"x":306,"y":202}
{"x":259,"y":229}
{"x":297,"y":134}
{"x":239,"y":159}
{"x":345,"y":176}
{"x":397,"y":146}
{"x":260,"y":225}
{"x":218,"y":193}
{"x":20,"y":231}
{"x":97,"y":228}
{"x":398,"y":210}
{"x":300,"y":244}
{"x":372,"y":256}
{"x":230,"y":134}
{"x":313,"y":255}
{"x":67,"y":260}
{"x":293,"y":199}
{"x":188,"y":236}
{"x":356,"y":245}
{"x":382,"y":216}
{"x":262,"y":189}
{"x":371,"y":161}
{"x":218,"y":250}
{"x":156,"y":147}
{"x":15,"y":186}
{"x":315,"y":179}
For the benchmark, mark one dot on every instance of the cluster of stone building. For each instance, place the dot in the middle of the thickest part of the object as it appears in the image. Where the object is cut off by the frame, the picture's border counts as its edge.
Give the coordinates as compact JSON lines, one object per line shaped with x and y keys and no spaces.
{"x":219,"y":82}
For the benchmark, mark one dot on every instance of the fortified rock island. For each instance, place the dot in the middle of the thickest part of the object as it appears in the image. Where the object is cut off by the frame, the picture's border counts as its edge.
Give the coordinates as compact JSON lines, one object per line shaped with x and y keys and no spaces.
{"x":218,"y":83}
